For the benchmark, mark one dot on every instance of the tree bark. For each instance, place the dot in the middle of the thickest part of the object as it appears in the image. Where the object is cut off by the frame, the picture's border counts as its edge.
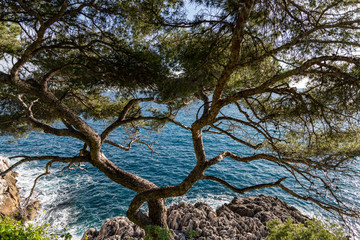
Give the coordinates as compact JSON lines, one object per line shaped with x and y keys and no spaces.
{"x":157,"y":212}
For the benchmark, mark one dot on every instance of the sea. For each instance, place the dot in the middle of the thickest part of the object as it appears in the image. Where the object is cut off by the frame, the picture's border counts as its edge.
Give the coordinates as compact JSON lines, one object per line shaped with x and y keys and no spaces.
{"x":74,"y":200}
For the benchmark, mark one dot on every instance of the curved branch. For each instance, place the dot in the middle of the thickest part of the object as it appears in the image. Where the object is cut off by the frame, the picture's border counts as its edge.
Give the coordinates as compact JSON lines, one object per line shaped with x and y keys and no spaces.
{"x":133,"y":212}
{"x":355,"y":44}
{"x":206,"y":103}
{"x":259,"y":156}
{"x":122,"y":116}
{"x":126,"y":148}
{"x":179,"y":124}
{"x":243,"y":190}
{"x":47,"y":171}
{"x":268,"y":83}
{"x":30,"y":50}
{"x":70,"y":132}
{"x":325,"y":206}
{"x":297,"y":40}
{"x":31,"y":12}
{"x":119,"y":123}
{"x":37,"y":158}
{"x":44,"y":94}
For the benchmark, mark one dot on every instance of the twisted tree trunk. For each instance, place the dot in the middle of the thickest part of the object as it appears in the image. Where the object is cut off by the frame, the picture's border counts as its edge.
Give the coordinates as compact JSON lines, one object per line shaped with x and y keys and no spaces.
{"x":157,"y":209}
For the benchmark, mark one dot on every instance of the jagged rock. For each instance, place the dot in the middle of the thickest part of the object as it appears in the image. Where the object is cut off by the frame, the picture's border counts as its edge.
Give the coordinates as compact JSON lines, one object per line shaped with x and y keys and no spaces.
{"x":9,"y":193}
{"x":115,"y":228}
{"x":243,"y":219}
{"x":90,"y":234}
{"x":10,"y":198}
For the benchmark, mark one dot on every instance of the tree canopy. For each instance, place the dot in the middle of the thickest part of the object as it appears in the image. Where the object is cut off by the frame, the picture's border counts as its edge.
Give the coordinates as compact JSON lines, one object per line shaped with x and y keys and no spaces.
{"x":60,"y":58}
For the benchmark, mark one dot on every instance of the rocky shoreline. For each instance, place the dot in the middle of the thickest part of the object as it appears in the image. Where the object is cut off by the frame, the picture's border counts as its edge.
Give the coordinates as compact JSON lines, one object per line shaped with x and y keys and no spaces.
{"x":10,"y":200}
{"x":242,"y":219}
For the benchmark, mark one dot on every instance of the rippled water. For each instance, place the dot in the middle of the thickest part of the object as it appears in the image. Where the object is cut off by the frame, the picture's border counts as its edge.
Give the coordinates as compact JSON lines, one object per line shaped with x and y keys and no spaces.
{"x":78,"y":200}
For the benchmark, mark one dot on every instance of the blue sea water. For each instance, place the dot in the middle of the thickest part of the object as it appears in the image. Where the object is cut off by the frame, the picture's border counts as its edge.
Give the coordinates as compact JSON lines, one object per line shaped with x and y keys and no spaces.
{"x":78,"y":199}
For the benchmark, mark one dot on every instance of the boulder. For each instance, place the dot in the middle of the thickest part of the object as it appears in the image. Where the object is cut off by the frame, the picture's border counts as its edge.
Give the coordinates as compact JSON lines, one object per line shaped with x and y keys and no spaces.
{"x":115,"y":228}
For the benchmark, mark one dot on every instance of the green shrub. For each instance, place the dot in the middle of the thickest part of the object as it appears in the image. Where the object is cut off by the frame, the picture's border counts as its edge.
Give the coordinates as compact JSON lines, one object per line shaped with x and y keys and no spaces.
{"x":191,"y":234}
{"x":11,"y":229}
{"x":161,"y":233}
{"x":312,"y":230}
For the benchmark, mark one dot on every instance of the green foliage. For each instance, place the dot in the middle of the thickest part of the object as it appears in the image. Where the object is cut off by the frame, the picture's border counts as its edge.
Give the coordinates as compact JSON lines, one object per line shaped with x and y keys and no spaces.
{"x":312,"y":230}
{"x":191,"y":234}
{"x":9,"y":42}
{"x":160,"y":233}
{"x":11,"y":229}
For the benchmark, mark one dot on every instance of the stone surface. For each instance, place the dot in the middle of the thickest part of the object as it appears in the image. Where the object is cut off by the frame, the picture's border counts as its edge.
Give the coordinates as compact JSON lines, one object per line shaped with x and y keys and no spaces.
{"x":243,"y":219}
{"x":115,"y":228}
{"x":10,"y":198}
{"x":9,"y":193}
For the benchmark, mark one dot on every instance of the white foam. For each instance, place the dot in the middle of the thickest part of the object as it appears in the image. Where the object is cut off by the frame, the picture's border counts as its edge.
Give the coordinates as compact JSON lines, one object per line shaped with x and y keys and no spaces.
{"x":47,"y":192}
{"x":213,"y":200}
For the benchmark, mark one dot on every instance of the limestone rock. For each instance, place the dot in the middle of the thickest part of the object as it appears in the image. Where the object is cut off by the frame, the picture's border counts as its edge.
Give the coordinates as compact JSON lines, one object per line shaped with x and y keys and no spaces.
{"x":243,"y":219}
{"x":9,"y":193}
{"x":115,"y":228}
{"x":90,"y":234}
{"x":10,"y":198}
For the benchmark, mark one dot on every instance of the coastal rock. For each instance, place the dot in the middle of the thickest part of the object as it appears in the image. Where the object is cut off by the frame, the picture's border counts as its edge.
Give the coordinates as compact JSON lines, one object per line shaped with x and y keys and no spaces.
{"x":10,"y":198}
{"x":9,"y":193}
{"x":114,"y":229}
{"x":265,"y":208}
{"x":243,"y":219}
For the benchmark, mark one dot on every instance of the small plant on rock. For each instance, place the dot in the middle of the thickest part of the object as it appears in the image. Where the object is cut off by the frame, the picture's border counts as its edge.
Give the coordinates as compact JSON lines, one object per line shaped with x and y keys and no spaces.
{"x":191,"y":234}
{"x":159,"y":232}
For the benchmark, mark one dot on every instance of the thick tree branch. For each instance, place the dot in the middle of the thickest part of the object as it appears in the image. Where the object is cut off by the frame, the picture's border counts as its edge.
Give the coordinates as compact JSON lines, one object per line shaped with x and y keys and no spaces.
{"x":235,"y":49}
{"x":326,"y":42}
{"x":30,"y":50}
{"x":48,"y":129}
{"x":206,"y":103}
{"x":48,"y":97}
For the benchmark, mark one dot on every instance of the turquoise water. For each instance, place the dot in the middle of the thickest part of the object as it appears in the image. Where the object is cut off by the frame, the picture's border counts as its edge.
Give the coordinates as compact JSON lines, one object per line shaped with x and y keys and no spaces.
{"x":78,"y":200}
